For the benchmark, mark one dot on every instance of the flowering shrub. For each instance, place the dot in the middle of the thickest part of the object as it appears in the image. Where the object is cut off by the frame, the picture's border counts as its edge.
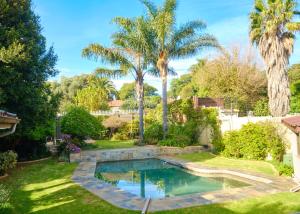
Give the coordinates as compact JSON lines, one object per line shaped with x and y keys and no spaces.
{"x":72,"y":148}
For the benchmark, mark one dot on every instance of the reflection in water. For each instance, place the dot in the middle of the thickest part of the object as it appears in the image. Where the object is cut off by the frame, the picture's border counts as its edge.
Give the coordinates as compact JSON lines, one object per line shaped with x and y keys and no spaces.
{"x":156,"y":179}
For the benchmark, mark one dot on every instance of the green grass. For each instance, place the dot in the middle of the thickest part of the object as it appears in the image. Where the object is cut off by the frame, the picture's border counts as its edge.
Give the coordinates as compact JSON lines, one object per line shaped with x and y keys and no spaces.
{"x":46,"y":187}
{"x":110,"y":144}
{"x":208,"y":159}
{"x":273,"y":204}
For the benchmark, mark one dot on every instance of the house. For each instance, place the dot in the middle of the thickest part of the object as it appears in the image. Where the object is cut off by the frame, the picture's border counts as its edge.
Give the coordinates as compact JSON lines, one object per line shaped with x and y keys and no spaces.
{"x":115,"y":105}
{"x":8,"y":123}
{"x":293,"y":123}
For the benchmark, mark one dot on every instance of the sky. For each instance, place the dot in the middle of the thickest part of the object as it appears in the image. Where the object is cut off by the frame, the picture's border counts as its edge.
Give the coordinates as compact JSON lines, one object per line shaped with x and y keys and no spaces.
{"x":70,"y":25}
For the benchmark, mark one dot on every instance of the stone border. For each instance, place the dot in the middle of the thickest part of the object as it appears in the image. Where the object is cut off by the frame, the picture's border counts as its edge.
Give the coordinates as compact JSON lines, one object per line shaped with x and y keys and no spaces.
{"x":261,"y":185}
{"x":33,"y":161}
{"x":132,"y":153}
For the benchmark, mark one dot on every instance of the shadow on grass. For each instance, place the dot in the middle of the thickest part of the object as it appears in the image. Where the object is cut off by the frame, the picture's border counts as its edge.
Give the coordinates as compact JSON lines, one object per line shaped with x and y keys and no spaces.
{"x":46,"y":188}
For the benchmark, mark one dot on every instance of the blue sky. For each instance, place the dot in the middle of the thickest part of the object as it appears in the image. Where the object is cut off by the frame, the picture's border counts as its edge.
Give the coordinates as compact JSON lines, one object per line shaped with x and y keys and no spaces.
{"x":70,"y":25}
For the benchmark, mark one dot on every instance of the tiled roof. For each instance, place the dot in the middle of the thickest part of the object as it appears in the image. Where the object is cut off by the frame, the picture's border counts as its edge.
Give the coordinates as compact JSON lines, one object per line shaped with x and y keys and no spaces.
{"x":293,"y":123}
{"x":115,"y":103}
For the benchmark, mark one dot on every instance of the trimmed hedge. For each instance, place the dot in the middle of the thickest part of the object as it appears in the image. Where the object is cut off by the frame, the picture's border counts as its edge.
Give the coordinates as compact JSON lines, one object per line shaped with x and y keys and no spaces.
{"x":254,"y":141}
{"x":80,"y":124}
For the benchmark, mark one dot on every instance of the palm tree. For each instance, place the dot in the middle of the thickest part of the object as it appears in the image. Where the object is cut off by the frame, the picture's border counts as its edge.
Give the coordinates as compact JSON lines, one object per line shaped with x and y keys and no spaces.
{"x":272,"y":30}
{"x":132,"y":45}
{"x":104,"y":83}
{"x":173,"y":42}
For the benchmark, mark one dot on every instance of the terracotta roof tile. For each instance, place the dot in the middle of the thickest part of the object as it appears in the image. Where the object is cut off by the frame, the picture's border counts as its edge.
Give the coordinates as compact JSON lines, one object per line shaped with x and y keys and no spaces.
{"x":115,"y":103}
{"x":293,"y":123}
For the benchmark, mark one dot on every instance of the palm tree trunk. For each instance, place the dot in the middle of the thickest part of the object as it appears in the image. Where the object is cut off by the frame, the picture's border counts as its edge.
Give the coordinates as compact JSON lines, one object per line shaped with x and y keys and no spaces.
{"x":140,"y":97}
{"x":276,"y":58}
{"x":165,"y":101}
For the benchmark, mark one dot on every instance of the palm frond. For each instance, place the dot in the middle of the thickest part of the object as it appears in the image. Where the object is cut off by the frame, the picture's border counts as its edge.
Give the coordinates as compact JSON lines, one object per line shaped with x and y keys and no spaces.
{"x":125,"y":23}
{"x":194,"y":45}
{"x":153,"y":71}
{"x":112,"y":56}
{"x":172,"y":72}
{"x":151,"y":8}
{"x":110,"y":73}
{"x":170,"y":6}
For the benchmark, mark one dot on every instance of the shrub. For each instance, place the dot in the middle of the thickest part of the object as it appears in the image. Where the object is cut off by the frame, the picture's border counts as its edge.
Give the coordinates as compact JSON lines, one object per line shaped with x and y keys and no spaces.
{"x":127,"y":131}
{"x":254,"y":141}
{"x":153,"y":133}
{"x":261,"y":108}
{"x":284,"y":169}
{"x":120,"y":136}
{"x":178,"y":141}
{"x":4,"y":194}
{"x":80,"y":123}
{"x":8,"y":160}
{"x":232,"y":140}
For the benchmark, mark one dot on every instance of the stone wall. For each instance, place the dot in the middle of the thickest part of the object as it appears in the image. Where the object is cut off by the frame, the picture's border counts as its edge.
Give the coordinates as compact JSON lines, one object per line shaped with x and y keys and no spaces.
{"x":132,"y":153}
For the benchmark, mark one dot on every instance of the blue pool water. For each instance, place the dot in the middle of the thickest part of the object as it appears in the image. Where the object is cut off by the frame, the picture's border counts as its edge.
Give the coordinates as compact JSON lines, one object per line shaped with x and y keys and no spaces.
{"x":157,"y":179}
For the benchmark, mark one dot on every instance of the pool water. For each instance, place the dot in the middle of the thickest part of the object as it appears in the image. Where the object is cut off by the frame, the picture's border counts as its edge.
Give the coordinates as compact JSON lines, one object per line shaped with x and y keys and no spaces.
{"x":155,"y":178}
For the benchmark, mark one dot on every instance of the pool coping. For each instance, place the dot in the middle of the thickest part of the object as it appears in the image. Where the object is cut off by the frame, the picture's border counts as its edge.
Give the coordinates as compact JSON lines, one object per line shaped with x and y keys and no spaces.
{"x":261,"y":185}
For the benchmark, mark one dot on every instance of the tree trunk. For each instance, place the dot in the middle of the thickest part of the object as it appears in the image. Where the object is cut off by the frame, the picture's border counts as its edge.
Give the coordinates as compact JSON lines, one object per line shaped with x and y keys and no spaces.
{"x":165,"y":102}
{"x":276,"y":56}
{"x":140,"y":98}
{"x":162,"y":65}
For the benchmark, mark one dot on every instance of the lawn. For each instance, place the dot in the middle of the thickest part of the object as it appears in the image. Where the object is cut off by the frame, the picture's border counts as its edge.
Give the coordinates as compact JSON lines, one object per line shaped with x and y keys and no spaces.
{"x":46,"y":187}
{"x":208,"y":159}
{"x":110,"y":144}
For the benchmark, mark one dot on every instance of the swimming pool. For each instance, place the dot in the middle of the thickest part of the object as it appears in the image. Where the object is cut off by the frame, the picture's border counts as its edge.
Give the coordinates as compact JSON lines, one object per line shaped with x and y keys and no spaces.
{"x":154,"y":178}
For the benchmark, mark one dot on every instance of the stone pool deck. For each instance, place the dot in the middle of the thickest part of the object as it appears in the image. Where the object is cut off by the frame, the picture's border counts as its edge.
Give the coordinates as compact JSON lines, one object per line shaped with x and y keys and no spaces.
{"x":259,"y":185}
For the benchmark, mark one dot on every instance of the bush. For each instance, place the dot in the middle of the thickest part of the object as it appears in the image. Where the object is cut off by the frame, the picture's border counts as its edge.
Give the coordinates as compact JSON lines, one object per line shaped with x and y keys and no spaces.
{"x":178,"y":141}
{"x":8,"y":160}
{"x":4,"y":194}
{"x":80,"y":123}
{"x":261,"y":108}
{"x":284,"y":169}
{"x":127,"y":131}
{"x":233,"y":144}
{"x":254,"y":141}
{"x":120,"y":136}
{"x":153,"y":133}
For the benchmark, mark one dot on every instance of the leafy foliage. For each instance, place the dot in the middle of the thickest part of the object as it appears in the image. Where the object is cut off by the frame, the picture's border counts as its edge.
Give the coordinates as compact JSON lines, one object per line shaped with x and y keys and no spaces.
{"x":261,"y":108}
{"x":233,"y":76}
{"x":25,"y":65}
{"x":186,"y":125}
{"x":294,"y":77}
{"x":8,"y":160}
{"x":153,"y":133}
{"x":127,"y":93}
{"x":80,"y":123}
{"x":254,"y":141}
{"x":74,"y":90}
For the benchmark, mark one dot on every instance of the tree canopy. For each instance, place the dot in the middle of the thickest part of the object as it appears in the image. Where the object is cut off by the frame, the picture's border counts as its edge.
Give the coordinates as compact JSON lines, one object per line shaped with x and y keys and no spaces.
{"x":25,"y":65}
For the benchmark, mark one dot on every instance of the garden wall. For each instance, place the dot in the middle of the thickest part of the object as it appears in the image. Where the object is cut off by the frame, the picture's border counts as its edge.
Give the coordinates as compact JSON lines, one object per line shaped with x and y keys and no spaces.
{"x":235,"y":123}
{"x":132,"y":153}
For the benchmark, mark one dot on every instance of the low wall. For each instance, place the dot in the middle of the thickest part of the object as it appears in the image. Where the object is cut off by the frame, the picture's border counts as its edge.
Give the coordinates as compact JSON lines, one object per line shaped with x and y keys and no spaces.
{"x":132,"y":153}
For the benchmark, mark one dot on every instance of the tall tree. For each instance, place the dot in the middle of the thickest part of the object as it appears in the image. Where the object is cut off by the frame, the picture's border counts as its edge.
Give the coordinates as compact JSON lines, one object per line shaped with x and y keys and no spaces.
{"x":95,"y":96}
{"x":173,"y":42}
{"x":132,"y":45}
{"x":25,"y":65}
{"x":272,"y":30}
{"x":128,"y":95}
